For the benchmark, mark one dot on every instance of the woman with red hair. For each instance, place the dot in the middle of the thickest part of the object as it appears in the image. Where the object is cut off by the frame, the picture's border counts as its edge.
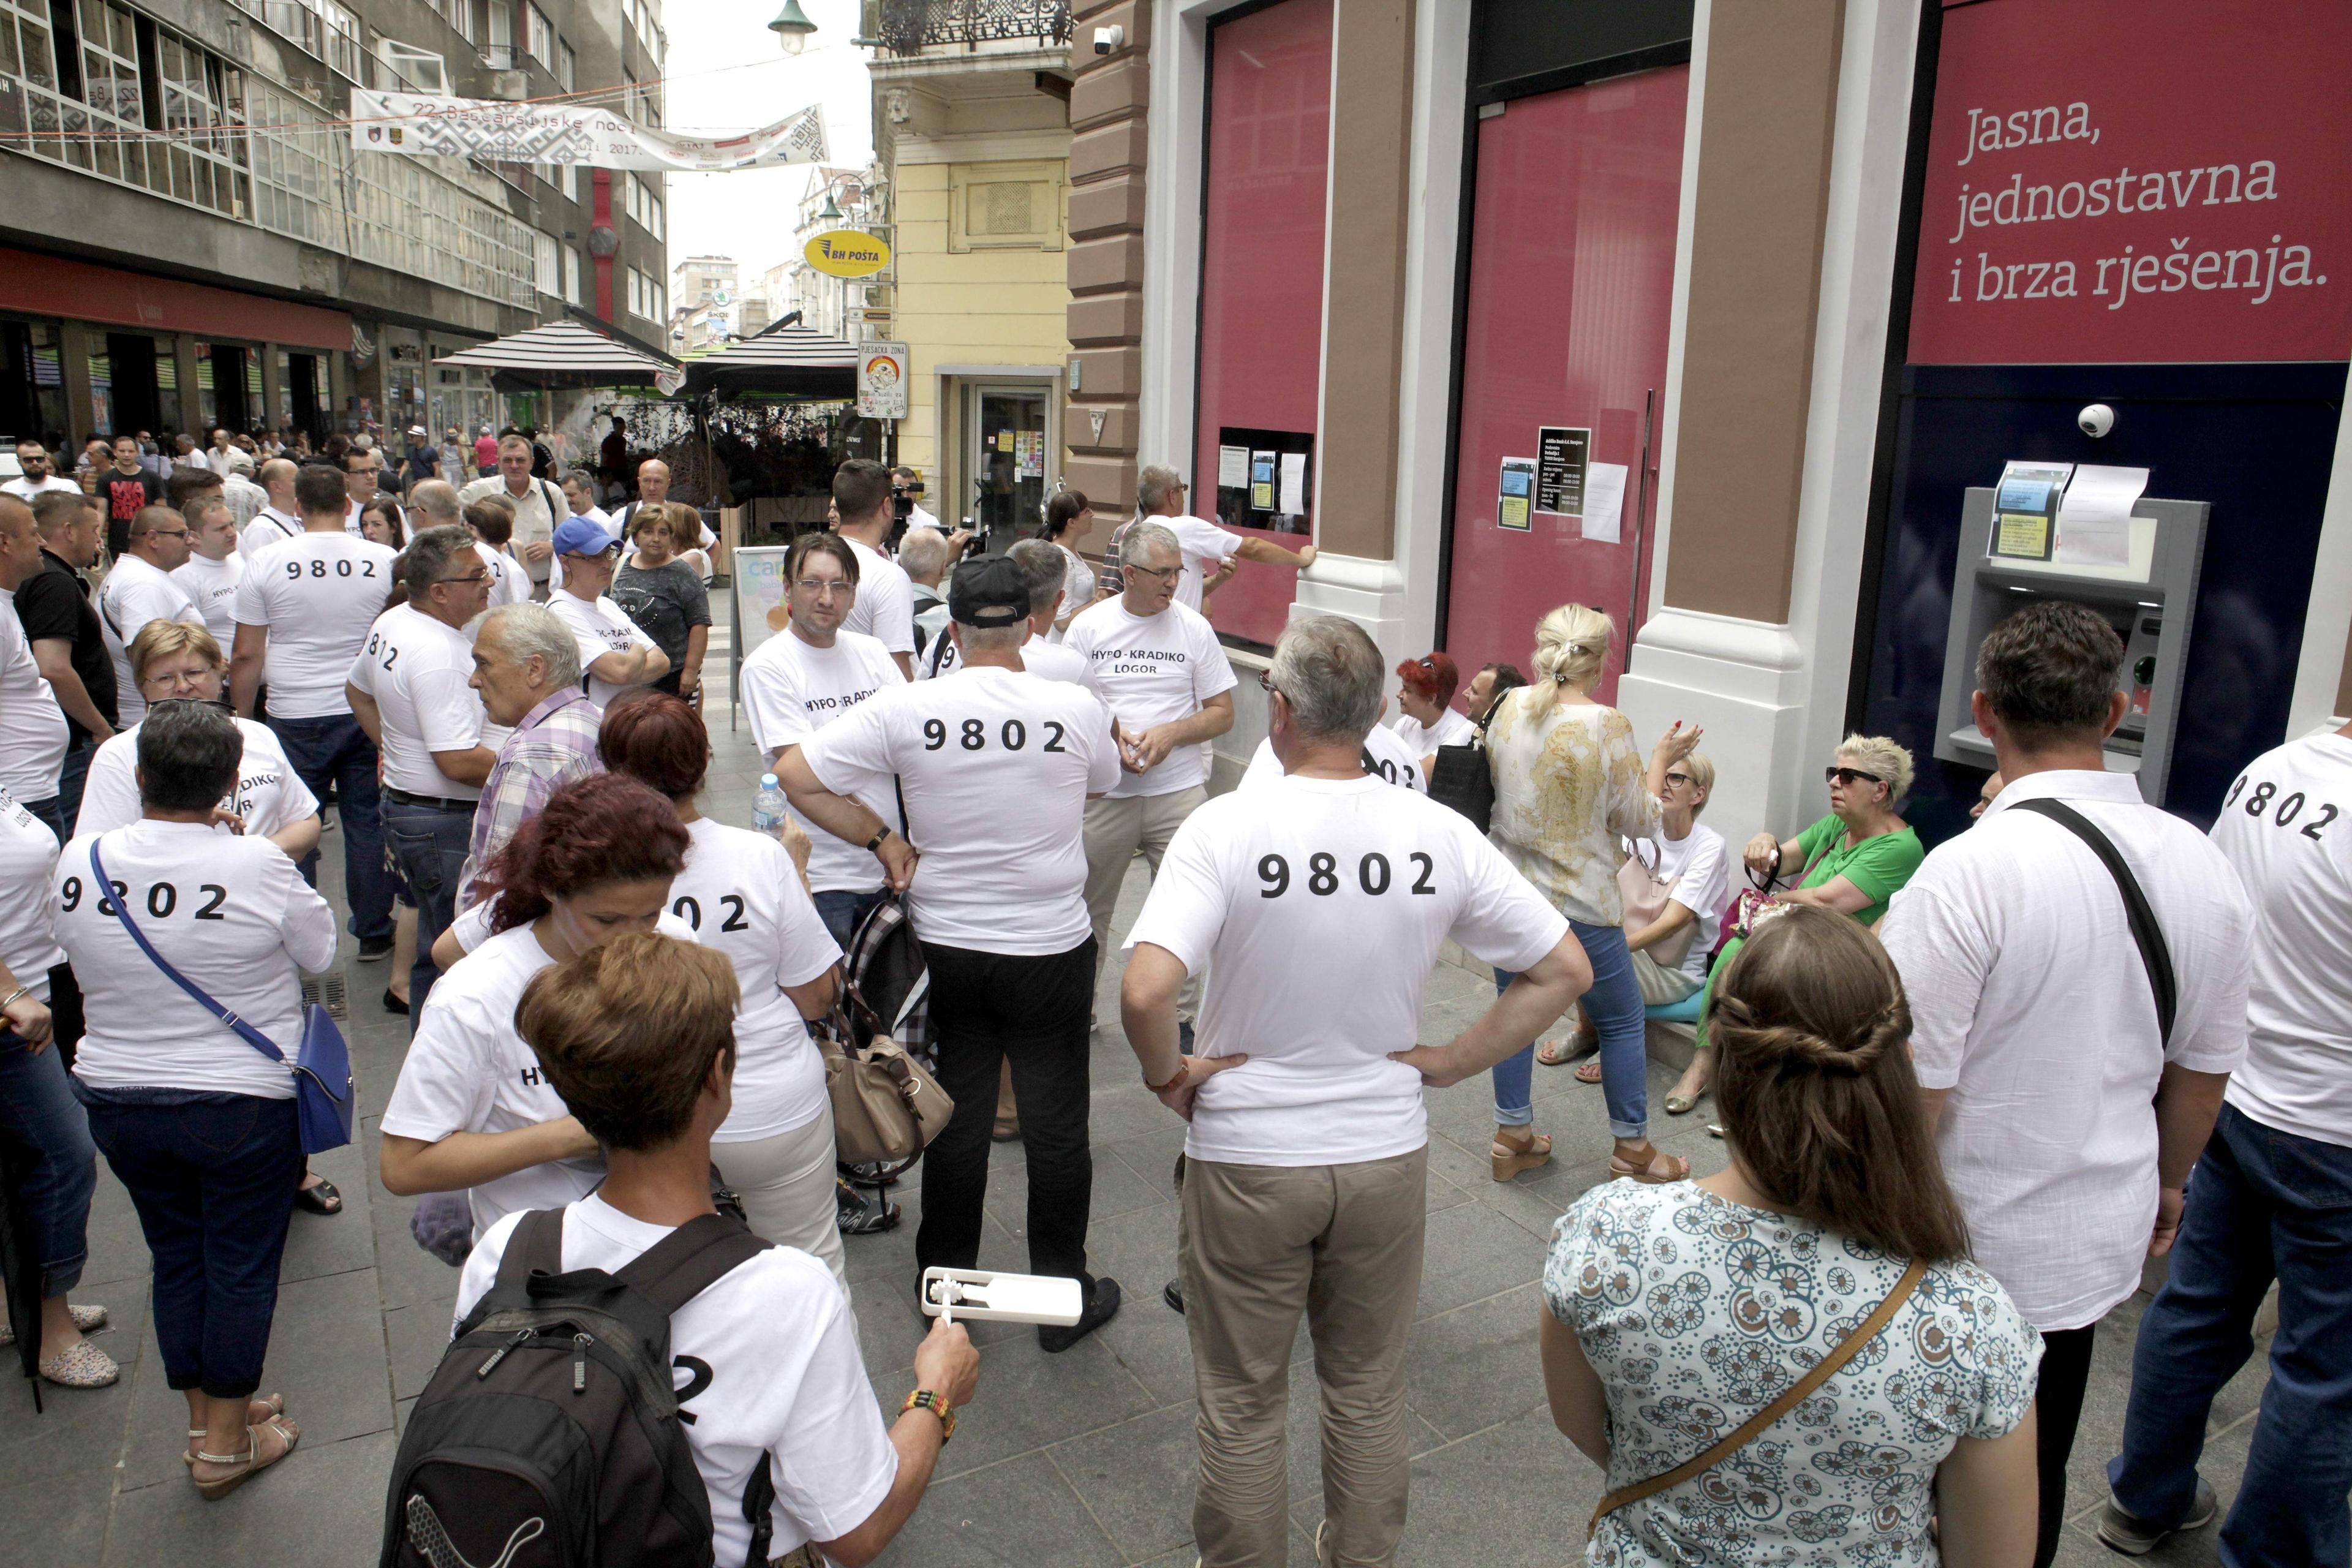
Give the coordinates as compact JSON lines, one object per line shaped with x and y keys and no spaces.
{"x":1428,"y":721}
{"x":473,"y":1110}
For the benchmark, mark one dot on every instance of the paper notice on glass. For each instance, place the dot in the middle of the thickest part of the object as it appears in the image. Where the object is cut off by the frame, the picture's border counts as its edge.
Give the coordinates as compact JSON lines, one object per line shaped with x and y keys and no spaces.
{"x":1604,"y":501}
{"x":1294,"y":484}
{"x":1233,"y":468}
{"x":2095,"y":518}
{"x":2023,"y":505}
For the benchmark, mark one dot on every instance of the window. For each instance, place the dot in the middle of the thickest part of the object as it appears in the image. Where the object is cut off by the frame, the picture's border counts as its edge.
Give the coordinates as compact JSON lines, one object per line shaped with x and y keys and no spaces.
{"x":539,"y":35}
{"x":654,"y":204}
{"x":567,"y":67}
{"x":343,"y":35}
{"x":636,"y":298}
{"x":461,"y":17}
{"x":407,"y":69}
{"x":501,"y":25}
{"x":549,"y":260}
{"x":570,"y":276}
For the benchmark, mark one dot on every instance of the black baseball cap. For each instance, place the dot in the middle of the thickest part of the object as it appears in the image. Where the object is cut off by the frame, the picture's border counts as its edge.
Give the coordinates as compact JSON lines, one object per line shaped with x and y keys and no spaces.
{"x":989,"y":591}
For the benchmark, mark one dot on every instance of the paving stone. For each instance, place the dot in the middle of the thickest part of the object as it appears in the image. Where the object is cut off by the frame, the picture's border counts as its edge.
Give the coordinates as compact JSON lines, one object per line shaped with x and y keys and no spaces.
{"x":1021,"y":1511}
{"x":59,"y":1520}
{"x":322,"y":1507}
{"x":77,"y":1430}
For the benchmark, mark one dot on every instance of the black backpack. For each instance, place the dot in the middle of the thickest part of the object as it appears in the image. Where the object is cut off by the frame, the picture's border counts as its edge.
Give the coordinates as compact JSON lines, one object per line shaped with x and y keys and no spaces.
{"x":550,"y":1437}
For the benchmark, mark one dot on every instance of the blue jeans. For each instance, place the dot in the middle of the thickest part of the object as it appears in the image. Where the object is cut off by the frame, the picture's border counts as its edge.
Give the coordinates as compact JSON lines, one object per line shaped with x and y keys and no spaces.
{"x":430,"y":844}
{"x":1614,"y":1005}
{"x":52,"y":814}
{"x":2262,"y":1203}
{"x":38,"y":1108}
{"x":72,"y":774}
{"x":213,"y":1178}
{"x":841,"y":913}
{"x":335,"y":751}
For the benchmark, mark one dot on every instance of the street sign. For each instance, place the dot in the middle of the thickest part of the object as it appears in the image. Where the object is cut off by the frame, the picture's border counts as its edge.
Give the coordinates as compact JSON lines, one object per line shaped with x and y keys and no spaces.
{"x":882,"y":381}
{"x":846,"y":253}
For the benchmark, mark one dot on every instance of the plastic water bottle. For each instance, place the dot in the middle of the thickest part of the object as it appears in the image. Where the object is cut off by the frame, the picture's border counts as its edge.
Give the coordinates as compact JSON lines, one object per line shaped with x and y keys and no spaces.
{"x":768,"y":807}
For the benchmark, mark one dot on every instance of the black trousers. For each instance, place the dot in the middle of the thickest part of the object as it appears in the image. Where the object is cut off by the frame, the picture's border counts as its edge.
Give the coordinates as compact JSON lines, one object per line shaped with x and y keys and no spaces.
{"x":1034,"y":1012}
{"x":2058,"y":1409}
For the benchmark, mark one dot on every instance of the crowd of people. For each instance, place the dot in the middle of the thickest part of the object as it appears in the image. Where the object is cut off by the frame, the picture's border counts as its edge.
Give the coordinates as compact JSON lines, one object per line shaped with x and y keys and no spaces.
{"x":1965,"y":1092}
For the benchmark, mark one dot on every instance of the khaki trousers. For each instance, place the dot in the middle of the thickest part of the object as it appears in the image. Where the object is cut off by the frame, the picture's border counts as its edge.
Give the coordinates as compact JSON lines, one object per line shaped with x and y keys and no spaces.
{"x":1660,"y":985}
{"x":1258,"y":1244}
{"x":786,"y":1185}
{"x":1116,"y":830}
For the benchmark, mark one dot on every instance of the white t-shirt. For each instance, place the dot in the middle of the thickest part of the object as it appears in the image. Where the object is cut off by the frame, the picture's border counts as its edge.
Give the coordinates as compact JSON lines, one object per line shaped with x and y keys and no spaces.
{"x":1385,"y":759}
{"x":884,"y":609}
{"x":416,"y":668}
{"x":791,"y":690}
{"x":1701,"y":868}
{"x":1038,"y":656}
{"x":510,"y":583}
{"x":992,"y":880}
{"x":468,"y":1071}
{"x":134,"y":592}
{"x":269,"y":797}
{"x":232,"y":915}
{"x":32,"y":726}
{"x":1200,"y":540}
{"x":25,"y":491}
{"x":1078,"y":586}
{"x":318,"y":594}
{"x":771,"y":1354}
{"x":739,"y":894}
{"x":1450,"y":729}
{"x":537,"y":510}
{"x":28,"y":858}
{"x":2030,"y":1003}
{"x":269,"y":526}
{"x":211,"y":585}
{"x":2282,"y":826}
{"x":599,"y":627}
{"x":1150,"y":670}
{"x":1316,"y":907}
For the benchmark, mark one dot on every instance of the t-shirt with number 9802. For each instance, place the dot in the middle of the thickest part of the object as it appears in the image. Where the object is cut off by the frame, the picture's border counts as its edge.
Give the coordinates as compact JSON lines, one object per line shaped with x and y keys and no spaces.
{"x":1316,"y":908}
{"x":317,"y":593}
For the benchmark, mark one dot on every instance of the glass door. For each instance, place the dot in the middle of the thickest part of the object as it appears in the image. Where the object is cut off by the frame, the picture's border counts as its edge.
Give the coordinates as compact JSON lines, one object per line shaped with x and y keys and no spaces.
{"x":1006,"y":445}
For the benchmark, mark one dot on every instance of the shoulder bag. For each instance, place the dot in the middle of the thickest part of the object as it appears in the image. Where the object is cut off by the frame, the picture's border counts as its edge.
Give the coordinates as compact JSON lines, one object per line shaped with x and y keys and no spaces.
{"x":1739,"y":919}
{"x":2155,"y":956}
{"x":1463,"y":776}
{"x":322,"y":1066}
{"x":1757,"y":1424}
{"x":1646,"y":895}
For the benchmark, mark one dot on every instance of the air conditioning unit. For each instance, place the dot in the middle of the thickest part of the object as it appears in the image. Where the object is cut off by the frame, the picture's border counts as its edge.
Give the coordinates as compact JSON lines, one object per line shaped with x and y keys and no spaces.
{"x":412,"y":68}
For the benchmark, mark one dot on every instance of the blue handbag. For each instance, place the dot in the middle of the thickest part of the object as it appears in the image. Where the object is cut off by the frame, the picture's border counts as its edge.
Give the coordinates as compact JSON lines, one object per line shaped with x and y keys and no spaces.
{"x":323,"y":1100}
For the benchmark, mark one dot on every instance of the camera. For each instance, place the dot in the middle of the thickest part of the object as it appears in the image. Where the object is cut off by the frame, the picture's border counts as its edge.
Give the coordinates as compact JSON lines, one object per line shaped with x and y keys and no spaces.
{"x":1107,"y":39}
{"x":2096,"y":419}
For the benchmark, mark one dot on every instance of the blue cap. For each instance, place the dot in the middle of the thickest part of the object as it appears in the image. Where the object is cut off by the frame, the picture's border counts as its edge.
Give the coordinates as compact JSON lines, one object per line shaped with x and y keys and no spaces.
{"x":584,"y":536}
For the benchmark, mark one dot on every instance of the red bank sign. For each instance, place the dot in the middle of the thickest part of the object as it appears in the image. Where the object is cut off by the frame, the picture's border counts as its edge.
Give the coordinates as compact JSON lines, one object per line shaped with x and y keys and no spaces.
{"x":2138,"y":181}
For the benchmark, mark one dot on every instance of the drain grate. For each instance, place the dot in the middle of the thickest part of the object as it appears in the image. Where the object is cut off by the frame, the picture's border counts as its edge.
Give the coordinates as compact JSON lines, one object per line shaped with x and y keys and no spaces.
{"x":328,"y":990}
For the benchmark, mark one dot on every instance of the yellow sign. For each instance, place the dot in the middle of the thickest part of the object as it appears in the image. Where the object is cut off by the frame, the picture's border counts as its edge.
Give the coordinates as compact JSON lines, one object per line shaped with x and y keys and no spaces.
{"x":845,"y":253}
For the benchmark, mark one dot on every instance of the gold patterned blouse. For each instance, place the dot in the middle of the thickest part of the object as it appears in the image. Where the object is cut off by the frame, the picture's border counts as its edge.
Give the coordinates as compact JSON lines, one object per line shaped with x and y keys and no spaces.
{"x":1568,"y":783}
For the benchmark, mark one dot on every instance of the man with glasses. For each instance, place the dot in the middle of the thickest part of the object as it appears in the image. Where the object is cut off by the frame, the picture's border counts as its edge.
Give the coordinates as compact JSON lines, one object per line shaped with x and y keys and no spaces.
{"x":302,"y":609}
{"x":140,"y":589}
{"x":803,"y":678}
{"x":1159,"y":497}
{"x":34,"y":477}
{"x":411,"y":690}
{"x":1159,"y":667}
{"x":538,"y":505}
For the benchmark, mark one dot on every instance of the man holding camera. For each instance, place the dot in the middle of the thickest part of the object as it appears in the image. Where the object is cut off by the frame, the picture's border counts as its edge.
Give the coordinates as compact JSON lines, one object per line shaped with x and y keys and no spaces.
{"x":906,"y":498}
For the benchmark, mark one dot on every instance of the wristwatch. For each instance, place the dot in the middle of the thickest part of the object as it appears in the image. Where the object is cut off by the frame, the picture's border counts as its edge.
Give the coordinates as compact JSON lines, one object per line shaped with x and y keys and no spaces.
{"x":936,"y":1404}
{"x":876,"y":842}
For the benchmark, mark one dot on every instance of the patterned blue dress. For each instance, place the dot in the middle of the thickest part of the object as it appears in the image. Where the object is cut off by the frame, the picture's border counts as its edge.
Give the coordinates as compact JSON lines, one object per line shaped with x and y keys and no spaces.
{"x":1697,"y":1312}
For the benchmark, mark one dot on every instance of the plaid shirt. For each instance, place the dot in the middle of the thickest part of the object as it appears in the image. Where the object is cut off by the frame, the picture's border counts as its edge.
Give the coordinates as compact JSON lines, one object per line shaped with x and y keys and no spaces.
{"x":556,"y":742}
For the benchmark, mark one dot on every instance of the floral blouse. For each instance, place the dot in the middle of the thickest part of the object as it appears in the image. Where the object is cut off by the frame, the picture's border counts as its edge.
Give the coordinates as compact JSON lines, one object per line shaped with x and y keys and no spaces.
{"x":1697,"y":1312}
{"x":1569,"y":783}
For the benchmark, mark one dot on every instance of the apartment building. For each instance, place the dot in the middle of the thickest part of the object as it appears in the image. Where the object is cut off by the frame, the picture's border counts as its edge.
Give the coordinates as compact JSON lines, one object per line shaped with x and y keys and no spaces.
{"x":191,"y":239}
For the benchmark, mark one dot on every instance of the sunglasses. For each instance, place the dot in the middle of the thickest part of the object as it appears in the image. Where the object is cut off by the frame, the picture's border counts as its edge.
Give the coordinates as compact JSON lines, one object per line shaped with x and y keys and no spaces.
{"x":481,"y":576}
{"x":1849,"y":775}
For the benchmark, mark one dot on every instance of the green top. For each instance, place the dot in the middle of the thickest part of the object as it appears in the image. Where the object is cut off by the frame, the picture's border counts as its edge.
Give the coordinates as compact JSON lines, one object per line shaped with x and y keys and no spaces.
{"x":1879,"y":865}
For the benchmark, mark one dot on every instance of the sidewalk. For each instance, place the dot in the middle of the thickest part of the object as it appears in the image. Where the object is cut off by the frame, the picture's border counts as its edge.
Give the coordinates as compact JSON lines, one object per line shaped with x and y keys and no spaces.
{"x":1083,"y":1459}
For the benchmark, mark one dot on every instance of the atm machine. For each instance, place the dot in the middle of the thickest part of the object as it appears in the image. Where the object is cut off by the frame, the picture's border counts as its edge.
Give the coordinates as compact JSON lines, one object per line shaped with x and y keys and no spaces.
{"x":2150,"y":601}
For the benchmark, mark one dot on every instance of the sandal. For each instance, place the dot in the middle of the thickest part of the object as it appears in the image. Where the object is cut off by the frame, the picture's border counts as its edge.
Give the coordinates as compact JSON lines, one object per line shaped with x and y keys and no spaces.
{"x":1683,"y":1104}
{"x":1576,"y":1047}
{"x":1647,"y":1172}
{"x":84,"y":1366}
{"x":272,"y":1404}
{"x":248,"y":1463}
{"x":320,"y":1196}
{"x":1525,"y":1152}
{"x":1588,"y":1072}
{"x":89,"y":1320}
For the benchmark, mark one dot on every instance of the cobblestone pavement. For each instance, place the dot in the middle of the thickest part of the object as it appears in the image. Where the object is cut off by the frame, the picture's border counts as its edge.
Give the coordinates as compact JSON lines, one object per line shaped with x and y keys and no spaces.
{"x":1083,"y":1459}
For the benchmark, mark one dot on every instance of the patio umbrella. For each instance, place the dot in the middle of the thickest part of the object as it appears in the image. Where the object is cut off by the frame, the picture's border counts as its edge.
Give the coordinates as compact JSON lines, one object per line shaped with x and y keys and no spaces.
{"x":566,"y":354}
{"x":783,"y":361}
{"x":20,"y":1256}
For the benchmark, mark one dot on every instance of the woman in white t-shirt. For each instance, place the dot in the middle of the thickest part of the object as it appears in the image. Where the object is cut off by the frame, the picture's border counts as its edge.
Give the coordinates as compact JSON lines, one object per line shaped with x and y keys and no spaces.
{"x":473,"y":1110}
{"x":743,"y":893}
{"x":176,"y":661}
{"x":1069,"y":518}
{"x":1428,"y":720}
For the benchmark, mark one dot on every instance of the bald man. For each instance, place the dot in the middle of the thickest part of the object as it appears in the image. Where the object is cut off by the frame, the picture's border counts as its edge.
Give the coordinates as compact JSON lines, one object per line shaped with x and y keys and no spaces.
{"x":279,"y":518}
{"x":434,"y":504}
{"x":652,"y":490}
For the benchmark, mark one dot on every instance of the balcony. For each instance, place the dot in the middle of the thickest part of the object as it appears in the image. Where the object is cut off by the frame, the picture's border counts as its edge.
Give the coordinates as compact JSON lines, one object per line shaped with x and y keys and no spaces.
{"x":503,"y":57}
{"x":909,"y":26}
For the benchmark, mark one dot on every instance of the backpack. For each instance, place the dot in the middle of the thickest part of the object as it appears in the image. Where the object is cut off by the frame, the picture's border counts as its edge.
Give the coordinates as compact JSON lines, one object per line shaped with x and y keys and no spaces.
{"x":549,"y":1436}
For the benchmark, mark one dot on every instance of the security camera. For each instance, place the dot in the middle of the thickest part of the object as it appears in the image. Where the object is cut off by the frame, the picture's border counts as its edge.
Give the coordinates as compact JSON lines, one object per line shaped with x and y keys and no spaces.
{"x":1109,"y":39}
{"x":2096,"y":419}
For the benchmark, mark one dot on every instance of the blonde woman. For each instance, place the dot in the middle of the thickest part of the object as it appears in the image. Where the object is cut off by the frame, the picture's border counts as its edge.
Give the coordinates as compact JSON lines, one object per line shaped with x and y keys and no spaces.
{"x":1569,"y":784}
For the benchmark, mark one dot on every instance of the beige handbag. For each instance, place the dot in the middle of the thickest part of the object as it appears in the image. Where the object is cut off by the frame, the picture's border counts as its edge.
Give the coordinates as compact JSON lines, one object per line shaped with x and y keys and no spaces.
{"x":1646,"y":895}
{"x":886,"y":1108}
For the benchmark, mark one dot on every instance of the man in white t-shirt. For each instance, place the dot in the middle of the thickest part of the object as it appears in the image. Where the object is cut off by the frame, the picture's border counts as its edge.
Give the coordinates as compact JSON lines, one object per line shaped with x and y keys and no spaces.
{"x":1165,"y":678}
{"x":638,"y":1040}
{"x":2270,"y":1199}
{"x":925,"y":555}
{"x":1160,"y":494}
{"x":806,"y":677}
{"x":997,"y":903}
{"x":907,"y":485}
{"x":303,"y":607}
{"x":2069,"y":1106}
{"x":35,"y":474}
{"x":1039,"y":655}
{"x":884,"y":609}
{"x":411,"y":690}
{"x":618,"y":657}
{"x":1386,"y":758}
{"x":1307,"y":1153}
{"x":210,"y":574}
{"x":280,"y":516}
{"x":33,"y":732}
{"x":139,"y":589}
{"x":580,"y":495}
{"x":538,"y":505}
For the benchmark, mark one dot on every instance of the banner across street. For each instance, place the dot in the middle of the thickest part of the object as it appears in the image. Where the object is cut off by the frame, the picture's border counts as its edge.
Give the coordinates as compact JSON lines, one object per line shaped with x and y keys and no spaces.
{"x":423,"y":124}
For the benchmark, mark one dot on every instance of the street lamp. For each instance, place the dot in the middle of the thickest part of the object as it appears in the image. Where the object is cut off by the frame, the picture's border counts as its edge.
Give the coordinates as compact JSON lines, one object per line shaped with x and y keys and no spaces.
{"x":832,"y":212}
{"x":791,"y":27}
